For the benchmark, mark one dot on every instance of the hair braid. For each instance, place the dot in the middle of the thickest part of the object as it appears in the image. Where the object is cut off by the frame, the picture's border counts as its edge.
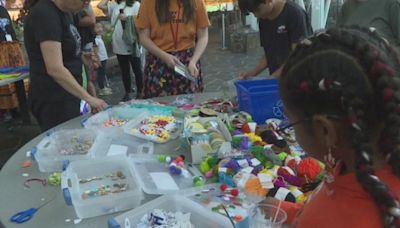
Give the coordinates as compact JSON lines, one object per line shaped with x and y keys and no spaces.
{"x":377,"y":97}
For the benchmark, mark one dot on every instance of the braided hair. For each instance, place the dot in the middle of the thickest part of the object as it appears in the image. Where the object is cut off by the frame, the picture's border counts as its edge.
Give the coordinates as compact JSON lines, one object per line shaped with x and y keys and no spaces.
{"x":353,"y":73}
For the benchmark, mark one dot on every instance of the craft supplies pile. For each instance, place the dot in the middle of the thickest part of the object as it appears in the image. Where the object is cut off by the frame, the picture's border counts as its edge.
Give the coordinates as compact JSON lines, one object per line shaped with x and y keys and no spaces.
{"x":210,"y":155}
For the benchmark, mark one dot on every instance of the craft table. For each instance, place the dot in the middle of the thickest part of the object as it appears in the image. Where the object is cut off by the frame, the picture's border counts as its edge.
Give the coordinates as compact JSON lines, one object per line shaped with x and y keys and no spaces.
{"x":14,"y":197}
{"x":21,"y":95}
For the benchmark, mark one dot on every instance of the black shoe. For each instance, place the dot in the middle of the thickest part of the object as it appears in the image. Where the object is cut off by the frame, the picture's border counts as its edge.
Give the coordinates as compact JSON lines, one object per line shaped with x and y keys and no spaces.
{"x":126,"y":98}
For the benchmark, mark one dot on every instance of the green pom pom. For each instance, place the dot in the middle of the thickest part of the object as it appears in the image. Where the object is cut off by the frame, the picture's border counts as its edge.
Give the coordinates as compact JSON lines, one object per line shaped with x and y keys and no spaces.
{"x":55,"y":179}
{"x":268,"y":164}
{"x":162,"y":158}
{"x":198,"y":181}
{"x":236,"y":140}
{"x":204,"y":167}
{"x":282,"y":156}
{"x":212,"y":161}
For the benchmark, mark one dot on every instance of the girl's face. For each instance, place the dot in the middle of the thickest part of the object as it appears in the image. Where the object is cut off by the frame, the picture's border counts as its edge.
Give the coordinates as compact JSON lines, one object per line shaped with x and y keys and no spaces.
{"x":98,"y":28}
{"x":307,"y":136}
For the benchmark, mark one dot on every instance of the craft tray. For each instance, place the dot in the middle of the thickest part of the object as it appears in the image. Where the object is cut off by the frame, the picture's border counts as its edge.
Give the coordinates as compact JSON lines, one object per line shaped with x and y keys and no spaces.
{"x":155,"y":179}
{"x":136,"y":123}
{"x":200,"y":217}
{"x":96,"y":205}
{"x":120,"y":112}
{"x":48,"y":153}
{"x":115,"y":142}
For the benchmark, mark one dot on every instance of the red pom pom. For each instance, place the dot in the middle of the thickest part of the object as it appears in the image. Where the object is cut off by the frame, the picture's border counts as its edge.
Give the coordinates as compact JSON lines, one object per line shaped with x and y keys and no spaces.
{"x":292,"y":164}
{"x":282,"y":171}
{"x":309,"y":168}
{"x":235,"y":192}
{"x":178,"y":159}
{"x":246,"y":128}
{"x":223,"y":187}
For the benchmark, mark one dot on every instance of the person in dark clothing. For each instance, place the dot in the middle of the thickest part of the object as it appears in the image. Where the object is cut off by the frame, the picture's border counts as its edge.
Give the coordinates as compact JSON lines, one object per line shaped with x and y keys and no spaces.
{"x":53,"y":45}
{"x":7,"y":32}
{"x":283,"y":24}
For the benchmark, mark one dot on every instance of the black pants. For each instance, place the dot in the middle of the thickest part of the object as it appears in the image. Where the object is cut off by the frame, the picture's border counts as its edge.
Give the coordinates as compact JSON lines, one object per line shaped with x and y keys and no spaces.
{"x":51,"y":114}
{"x":124,"y":61}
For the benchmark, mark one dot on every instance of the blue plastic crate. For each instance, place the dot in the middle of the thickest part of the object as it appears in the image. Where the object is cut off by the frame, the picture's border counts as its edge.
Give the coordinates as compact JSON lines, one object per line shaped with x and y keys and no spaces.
{"x":260,"y":98}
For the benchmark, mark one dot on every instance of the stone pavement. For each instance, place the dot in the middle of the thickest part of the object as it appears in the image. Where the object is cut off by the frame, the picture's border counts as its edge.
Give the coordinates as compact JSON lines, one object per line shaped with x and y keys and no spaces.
{"x":219,"y":67}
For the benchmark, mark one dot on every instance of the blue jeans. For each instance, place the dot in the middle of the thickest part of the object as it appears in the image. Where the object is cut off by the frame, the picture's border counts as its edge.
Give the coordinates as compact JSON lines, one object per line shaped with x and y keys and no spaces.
{"x":101,"y":74}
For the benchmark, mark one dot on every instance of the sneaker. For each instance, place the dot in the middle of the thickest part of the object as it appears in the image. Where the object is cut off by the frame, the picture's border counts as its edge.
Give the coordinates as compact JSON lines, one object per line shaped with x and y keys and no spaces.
{"x":126,"y":98}
{"x":104,"y":92}
{"x":108,"y":89}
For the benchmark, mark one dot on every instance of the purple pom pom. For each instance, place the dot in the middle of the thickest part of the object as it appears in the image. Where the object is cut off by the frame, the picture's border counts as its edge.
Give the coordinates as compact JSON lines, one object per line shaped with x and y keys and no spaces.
{"x":244,"y":144}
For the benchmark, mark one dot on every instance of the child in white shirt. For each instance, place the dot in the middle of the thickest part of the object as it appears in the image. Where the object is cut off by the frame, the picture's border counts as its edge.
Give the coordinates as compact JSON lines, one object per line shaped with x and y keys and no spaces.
{"x":102,"y":53}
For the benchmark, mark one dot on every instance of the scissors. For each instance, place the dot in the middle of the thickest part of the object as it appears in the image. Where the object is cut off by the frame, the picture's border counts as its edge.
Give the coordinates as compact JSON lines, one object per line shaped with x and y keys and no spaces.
{"x":24,"y":216}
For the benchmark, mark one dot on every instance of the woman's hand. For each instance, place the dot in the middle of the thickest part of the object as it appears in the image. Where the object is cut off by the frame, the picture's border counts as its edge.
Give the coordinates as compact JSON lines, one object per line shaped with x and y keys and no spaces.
{"x":194,"y":71}
{"x":170,"y":60}
{"x":97,"y":104}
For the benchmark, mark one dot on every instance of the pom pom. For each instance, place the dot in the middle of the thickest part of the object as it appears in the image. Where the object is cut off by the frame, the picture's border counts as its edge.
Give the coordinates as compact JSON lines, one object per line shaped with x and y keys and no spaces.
{"x":204,"y":167}
{"x":179,"y":159}
{"x":246,"y":128}
{"x":162,"y":158}
{"x":309,"y":168}
{"x":223,"y":187}
{"x":234,"y":192}
{"x":209,"y":174}
{"x":282,"y":156}
{"x":292,"y":164}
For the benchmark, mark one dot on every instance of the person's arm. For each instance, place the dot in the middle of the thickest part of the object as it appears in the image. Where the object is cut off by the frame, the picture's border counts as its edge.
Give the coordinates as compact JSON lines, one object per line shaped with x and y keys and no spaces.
{"x":52,"y":55}
{"x":394,"y":20}
{"x":103,"y":6}
{"x":201,"y":44}
{"x":260,"y":67}
{"x":89,"y":19}
{"x":144,"y":37}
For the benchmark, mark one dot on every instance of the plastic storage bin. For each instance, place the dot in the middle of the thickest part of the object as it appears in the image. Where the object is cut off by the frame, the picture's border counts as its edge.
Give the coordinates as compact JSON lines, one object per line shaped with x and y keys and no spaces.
{"x":63,"y":146}
{"x":200,"y":217}
{"x":115,"y":142}
{"x":88,"y":205}
{"x":124,"y":113}
{"x":260,"y":98}
{"x":155,"y":179}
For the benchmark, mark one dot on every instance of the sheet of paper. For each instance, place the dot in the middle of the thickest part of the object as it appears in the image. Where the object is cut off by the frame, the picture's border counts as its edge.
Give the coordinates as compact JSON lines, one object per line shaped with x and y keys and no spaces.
{"x":117,"y":150}
{"x":164,"y":181}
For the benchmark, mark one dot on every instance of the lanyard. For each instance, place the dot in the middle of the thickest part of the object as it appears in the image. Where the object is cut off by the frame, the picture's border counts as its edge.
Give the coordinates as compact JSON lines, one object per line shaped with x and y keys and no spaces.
{"x":175,"y":33}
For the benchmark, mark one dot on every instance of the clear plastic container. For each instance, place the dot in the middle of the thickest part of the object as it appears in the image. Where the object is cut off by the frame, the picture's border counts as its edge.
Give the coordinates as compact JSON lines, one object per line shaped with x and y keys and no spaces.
{"x":114,"y":142}
{"x":268,"y":216}
{"x":155,"y":179}
{"x":63,"y":146}
{"x":200,"y":217}
{"x":80,"y":177}
{"x":122,"y":113}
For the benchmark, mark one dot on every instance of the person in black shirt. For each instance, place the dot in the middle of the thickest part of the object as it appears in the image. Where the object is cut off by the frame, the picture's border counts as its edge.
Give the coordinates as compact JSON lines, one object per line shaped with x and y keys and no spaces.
{"x":282,"y":25}
{"x":53,"y":45}
{"x":6,"y":30}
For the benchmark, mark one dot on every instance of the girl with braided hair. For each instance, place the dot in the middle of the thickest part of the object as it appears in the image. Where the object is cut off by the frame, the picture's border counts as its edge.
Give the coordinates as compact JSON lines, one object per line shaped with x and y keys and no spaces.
{"x":341,"y":89}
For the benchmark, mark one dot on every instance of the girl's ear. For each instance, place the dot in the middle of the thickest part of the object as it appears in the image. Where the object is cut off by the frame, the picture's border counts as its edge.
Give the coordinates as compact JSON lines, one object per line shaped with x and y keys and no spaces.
{"x":325,"y":131}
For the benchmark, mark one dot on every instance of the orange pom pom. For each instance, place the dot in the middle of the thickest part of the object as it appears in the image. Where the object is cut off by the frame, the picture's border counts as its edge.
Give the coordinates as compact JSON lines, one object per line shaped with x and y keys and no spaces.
{"x":308,"y":168}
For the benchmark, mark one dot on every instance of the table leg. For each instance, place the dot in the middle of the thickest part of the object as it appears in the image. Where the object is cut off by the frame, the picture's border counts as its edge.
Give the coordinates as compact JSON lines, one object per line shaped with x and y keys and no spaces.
{"x":23,"y":104}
